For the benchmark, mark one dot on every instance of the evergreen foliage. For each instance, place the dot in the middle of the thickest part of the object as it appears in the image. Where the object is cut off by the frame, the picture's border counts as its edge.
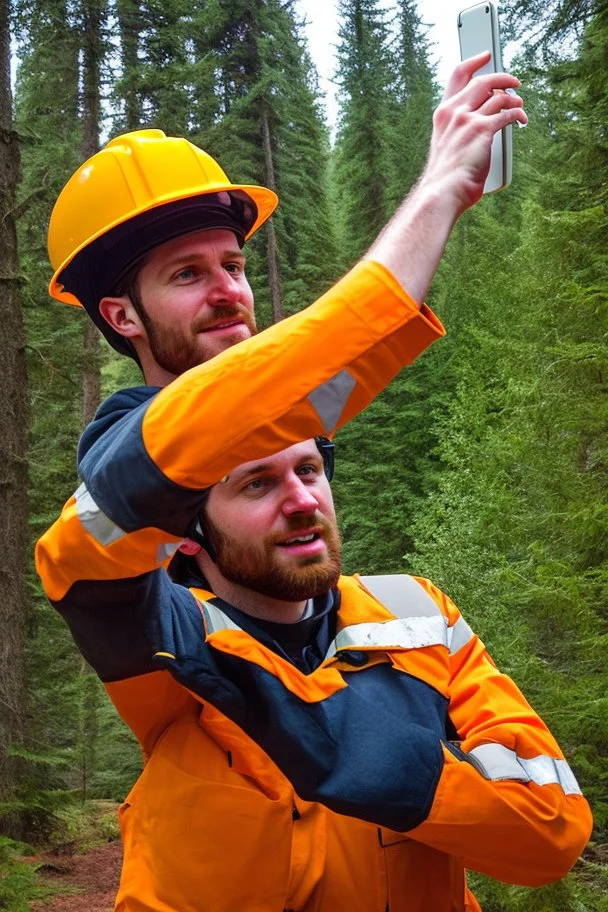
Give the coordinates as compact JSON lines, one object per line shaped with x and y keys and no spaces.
{"x":414,"y":101}
{"x":484,"y":465}
{"x":367,"y":85}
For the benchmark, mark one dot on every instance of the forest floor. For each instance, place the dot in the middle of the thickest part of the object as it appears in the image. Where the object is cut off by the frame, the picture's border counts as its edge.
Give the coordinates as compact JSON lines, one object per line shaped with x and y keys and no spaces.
{"x":84,"y":882}
{"x":80,"y":868}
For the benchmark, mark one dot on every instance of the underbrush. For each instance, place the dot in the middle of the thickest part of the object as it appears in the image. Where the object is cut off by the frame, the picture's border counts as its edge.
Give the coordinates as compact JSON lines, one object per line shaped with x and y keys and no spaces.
{"x":75,"y":829}
{"x":19,"y":884}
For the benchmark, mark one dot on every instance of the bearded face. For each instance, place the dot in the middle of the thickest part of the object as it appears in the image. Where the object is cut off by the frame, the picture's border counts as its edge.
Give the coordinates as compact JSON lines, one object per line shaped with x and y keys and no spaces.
{"x":282,"y":566}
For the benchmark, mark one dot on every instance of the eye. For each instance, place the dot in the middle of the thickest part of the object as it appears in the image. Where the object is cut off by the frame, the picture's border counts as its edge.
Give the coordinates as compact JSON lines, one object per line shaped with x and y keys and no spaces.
{"x":309,"y":471}
{"x":256,"y":486}
{"x":234,"y":268}
{"x":185,"y":274}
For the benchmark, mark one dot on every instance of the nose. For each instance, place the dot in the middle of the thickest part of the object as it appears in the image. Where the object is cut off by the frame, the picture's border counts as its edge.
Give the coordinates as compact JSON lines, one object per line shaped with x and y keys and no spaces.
{"x":299,"y":497}
{"x":223,"y":290}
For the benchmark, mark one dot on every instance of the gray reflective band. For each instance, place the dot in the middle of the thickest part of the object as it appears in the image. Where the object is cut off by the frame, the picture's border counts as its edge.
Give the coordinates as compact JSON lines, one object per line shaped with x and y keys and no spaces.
{"x":330,"y":398}
{"x":166,"y":550}
{"x":94,"y":520}
{"x":460,"y":635}
{"x":406,"y":598}
{"x":497,"y":762}
{"x":544,"y":770}
{"x":402,"y":595}
{"x":216,"y":620}
{"x":403,"y":633}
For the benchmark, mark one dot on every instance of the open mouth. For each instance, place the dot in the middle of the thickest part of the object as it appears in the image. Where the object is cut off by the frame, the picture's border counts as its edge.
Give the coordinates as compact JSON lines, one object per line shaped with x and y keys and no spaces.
{"x":301,"y":539}
{"x":227,"y":325}
{"x":303,"y":543}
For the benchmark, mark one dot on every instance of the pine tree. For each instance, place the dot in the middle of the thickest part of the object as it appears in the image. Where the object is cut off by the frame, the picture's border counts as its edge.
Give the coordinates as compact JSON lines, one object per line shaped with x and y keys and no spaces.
{"x":413,"y":105}
{"x":367,"y":90}
{"x":269,"y":130}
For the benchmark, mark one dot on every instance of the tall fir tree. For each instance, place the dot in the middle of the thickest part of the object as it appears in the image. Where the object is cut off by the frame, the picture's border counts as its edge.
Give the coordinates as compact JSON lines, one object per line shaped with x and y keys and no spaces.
{"x":413,"y":103}
{"x":270,"y":129}
{"x":367,"y":97}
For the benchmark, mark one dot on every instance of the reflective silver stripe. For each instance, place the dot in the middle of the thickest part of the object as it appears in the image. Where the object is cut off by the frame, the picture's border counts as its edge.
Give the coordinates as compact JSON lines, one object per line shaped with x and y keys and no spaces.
{"x":402,"y":595}
{"x":330,"y":398}
{"x":166,"y":550}
{"x":406,"y":633}
{"x":216,"y":620}
{"x":497,"y":762}
{"x":546,"y":770}
{"x":97,"y":524}
{"x":406,"y":598}
{"x":567,"y":779}
{"x":460,"y":635}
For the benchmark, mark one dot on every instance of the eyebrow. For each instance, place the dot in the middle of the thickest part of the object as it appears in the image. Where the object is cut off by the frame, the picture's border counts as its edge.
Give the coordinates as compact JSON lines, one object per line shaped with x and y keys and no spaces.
{"x":186,"y":257}
{"x":262,"y":467}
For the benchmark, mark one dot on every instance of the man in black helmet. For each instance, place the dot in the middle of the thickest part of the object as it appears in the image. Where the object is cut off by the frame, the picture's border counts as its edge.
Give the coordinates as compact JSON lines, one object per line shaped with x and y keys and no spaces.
{"x":316,"y":742}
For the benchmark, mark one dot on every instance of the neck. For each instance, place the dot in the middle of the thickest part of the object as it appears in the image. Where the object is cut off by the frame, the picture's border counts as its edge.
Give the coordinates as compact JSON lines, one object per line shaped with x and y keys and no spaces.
{"x":254,"y":603}
{"x":155,"y":375}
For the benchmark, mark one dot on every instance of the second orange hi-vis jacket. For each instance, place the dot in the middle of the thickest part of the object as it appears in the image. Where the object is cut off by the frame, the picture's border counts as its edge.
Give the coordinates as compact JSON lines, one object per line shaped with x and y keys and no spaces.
{"x":371,"y":778}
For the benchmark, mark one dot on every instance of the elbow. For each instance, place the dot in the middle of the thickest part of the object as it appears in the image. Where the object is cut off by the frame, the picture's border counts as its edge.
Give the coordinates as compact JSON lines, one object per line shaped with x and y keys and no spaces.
{"x":556,"y":844}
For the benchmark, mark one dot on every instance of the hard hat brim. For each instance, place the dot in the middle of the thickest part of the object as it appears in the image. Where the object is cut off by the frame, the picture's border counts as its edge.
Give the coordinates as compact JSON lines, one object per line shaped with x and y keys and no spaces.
{"x":264,"y":200}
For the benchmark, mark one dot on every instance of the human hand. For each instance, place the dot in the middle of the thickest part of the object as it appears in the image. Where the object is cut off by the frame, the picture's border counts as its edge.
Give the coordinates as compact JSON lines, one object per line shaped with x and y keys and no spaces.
{"x":472,"y":110}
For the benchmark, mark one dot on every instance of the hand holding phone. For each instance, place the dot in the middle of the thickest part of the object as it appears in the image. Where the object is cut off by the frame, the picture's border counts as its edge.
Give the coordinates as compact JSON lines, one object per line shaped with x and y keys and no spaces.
{"x":478,"y":31}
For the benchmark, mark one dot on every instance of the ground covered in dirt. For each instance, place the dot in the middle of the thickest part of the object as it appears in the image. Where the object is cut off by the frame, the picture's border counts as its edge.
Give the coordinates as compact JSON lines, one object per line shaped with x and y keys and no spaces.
{"x":84,"y":882}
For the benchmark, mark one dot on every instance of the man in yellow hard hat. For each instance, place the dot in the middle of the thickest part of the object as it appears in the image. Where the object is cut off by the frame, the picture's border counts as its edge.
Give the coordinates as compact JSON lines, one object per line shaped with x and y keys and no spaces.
{"x":145,"y":190}
{"x":153,"y":251}
{"x":142,"y":192}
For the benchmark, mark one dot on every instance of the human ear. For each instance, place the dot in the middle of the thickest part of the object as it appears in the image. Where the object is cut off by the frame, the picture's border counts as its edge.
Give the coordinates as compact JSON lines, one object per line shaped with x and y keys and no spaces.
{"x":190,"y":547}
{"x":120,"y":313}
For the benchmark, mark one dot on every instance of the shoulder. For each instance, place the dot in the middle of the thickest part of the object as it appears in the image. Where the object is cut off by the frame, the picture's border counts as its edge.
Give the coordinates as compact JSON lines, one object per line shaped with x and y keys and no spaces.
{"x":403,"y":595}
{"x":112,"y":411}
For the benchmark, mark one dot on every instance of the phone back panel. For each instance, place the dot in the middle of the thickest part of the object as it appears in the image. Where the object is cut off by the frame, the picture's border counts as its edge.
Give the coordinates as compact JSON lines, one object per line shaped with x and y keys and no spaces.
{"x":478,"y":31}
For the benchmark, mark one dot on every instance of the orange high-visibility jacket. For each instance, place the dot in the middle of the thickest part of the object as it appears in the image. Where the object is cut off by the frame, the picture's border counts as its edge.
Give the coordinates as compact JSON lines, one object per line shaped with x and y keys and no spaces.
{"x":368,"y":783}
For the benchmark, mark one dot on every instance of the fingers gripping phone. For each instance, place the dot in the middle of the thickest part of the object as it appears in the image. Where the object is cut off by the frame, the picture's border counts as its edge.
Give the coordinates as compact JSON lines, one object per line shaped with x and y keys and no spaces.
{"x":478,"y":31}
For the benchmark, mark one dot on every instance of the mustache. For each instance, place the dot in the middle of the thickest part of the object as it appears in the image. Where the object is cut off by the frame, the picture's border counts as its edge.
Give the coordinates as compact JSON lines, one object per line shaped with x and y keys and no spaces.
{"x":221,"y":314}
{"x":299,"y":523}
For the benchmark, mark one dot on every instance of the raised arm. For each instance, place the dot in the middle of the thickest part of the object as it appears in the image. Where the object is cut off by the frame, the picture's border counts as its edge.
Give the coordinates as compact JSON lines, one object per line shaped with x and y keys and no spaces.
{"x":148,"y":457}
{"x":473,"y":109}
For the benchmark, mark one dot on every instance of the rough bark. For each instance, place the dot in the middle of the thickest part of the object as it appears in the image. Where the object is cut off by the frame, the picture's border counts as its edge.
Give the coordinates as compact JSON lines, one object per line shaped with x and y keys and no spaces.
{"x":93,"y":11}
{"x":13,"y":445}
{"x":271,"y":251}
{"x":129,"y":26}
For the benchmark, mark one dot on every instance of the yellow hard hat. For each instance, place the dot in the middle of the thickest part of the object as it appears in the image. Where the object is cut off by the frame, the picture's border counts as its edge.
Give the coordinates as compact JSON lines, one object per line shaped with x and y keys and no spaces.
{"x":140,"y":190}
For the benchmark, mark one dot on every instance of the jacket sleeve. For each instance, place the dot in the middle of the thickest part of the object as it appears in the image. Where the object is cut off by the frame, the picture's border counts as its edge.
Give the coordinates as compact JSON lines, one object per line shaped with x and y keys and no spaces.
{"x":305,"y":376}
{"x":144,"y":477}
{"x":506,"y":801}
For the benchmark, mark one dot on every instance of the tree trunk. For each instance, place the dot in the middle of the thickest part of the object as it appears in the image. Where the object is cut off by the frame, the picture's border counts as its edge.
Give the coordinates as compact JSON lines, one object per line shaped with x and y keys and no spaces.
{"x":273,"y":268}
{"x":93,"y":13}
{"x":129,"y":27}
{"x":13,"y":445}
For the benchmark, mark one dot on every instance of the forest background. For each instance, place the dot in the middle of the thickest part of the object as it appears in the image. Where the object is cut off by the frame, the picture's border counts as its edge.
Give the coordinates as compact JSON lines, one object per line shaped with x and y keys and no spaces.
{"x":484,"y":466}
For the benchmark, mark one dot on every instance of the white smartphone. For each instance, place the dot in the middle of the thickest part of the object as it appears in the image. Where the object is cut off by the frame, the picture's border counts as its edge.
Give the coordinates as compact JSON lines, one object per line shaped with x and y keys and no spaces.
{"x":478,"y":31}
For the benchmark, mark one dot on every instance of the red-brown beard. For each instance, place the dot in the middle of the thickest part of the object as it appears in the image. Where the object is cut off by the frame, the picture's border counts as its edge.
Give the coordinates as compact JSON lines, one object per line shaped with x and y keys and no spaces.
{"x":257,"y":567}
{"x":177,"y":352}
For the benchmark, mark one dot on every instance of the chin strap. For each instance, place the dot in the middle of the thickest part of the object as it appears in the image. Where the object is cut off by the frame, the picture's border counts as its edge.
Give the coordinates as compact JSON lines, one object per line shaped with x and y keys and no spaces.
{"x":326,"y":448}
{"x":200,"y":536}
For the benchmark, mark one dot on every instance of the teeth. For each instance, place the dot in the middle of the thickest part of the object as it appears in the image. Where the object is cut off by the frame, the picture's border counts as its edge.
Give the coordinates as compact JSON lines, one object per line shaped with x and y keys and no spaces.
{"x":302,"y":539}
